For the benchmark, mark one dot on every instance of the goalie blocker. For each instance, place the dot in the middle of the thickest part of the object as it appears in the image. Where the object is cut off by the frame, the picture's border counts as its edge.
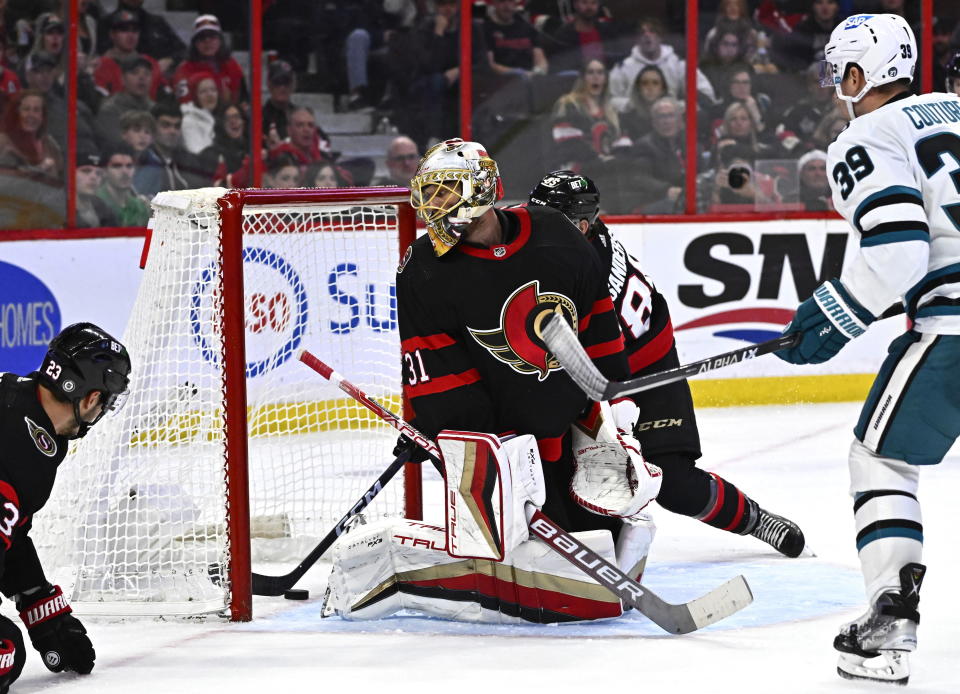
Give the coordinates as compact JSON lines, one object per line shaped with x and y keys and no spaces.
{"x":483,"y":566}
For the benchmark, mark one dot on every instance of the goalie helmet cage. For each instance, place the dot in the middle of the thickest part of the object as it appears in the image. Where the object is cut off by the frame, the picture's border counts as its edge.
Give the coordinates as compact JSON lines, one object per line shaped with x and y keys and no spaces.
{"x":228,"y":445}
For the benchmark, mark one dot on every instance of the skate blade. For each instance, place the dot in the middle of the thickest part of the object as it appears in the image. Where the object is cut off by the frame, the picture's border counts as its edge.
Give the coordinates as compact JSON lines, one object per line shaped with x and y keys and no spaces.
{"x":890,"y":667}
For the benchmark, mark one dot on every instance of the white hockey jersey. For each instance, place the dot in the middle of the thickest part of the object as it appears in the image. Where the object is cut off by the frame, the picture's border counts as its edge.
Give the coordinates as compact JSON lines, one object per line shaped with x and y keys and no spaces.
{"x":895,"y":175}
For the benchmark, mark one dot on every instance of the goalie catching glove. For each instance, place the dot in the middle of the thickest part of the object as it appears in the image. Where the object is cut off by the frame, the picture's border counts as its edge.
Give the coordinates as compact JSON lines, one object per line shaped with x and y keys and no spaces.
{"x":611,"y":477}
{"x":54,"y":631}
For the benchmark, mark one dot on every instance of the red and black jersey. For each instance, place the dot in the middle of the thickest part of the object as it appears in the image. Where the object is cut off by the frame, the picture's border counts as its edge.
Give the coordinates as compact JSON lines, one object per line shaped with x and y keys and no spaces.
{"x":470,"y":325}
{"x":667,"y":424}
{"x":32,"y":451}
{"x":643,"y":312}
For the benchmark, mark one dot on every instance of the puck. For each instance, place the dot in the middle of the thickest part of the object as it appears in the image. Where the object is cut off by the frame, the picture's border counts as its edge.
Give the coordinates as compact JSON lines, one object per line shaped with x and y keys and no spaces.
{"x":296,"y":594}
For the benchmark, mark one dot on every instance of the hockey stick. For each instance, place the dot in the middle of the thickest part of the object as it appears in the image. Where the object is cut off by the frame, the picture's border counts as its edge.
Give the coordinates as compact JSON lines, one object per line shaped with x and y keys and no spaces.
{"x":719,"y":603}
{"x":566,"y":347}
{"x":278,"y":585}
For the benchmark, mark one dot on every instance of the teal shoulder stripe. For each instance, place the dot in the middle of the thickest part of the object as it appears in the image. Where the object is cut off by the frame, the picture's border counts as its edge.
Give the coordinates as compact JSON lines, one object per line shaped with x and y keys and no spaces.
{"x":895,"y":237}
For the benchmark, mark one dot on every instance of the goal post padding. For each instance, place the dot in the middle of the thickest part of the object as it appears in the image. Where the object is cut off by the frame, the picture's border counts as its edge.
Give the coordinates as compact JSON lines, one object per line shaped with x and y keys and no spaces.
{"x":226,"y":443}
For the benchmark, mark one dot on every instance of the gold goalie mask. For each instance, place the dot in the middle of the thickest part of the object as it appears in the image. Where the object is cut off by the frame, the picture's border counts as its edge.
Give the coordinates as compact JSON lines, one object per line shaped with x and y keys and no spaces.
{"x":456,"y":182}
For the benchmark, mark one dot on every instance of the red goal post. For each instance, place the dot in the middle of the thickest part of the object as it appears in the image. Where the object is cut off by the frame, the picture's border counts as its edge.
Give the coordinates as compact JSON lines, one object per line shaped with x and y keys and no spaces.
{"x":227,"y":447}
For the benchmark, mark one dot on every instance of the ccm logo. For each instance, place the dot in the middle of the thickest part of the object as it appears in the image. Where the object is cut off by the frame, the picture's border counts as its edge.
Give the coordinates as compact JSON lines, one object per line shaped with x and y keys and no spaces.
{"x":659,"y":424}
{"x":595,"y":565}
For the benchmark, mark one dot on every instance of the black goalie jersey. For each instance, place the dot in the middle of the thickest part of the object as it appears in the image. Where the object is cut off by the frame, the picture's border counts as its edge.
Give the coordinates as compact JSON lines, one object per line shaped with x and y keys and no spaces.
{"x":470,"y":325}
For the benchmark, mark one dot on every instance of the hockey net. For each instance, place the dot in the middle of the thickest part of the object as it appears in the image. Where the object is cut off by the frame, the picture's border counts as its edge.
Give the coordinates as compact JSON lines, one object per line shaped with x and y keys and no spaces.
{"x":151,"y":513}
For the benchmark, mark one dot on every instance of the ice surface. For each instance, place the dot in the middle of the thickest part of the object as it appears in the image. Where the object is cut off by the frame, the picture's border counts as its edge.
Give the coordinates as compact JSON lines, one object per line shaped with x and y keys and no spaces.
{"x":792,"y":460}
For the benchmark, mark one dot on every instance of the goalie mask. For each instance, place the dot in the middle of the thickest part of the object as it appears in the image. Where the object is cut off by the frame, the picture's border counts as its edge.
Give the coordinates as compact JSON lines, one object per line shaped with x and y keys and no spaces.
{"x":574,"y":195}
{"x":456,"y":182}
{"x":84,"y":358}
{"x":881,"y":45}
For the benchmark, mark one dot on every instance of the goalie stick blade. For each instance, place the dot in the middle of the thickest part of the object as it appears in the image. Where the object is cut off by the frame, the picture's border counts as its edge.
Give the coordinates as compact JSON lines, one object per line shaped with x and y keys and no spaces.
{"x":719,"y":603}
{"x":563,"y":342}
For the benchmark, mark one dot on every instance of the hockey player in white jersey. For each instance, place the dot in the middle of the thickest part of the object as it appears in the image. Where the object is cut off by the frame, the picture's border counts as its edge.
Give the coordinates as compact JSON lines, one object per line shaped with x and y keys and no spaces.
{"x":895,"y":176}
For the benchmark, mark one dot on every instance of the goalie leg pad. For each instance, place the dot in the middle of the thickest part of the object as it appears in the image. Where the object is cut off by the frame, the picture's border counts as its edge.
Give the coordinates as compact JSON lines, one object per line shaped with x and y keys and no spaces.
{"x":888,"y":519}
{"x":611,"y":477}
{"x":633,"y":544}
{"x":389,"y":566}
{"x":488,"y":484}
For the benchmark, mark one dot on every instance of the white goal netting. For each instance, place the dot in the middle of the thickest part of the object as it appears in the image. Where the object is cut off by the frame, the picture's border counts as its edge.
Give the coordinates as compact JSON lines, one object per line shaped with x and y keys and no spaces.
{"x":137,"y":523}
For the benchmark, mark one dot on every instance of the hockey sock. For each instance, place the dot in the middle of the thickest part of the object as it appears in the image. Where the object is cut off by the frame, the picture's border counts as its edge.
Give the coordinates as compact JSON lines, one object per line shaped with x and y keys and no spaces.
{"x":693,"y":492}
{"x":729,"y":508}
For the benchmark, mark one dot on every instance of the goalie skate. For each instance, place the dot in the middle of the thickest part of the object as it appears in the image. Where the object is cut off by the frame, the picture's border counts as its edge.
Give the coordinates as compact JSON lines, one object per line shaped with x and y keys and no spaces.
{"x":877,"y":645}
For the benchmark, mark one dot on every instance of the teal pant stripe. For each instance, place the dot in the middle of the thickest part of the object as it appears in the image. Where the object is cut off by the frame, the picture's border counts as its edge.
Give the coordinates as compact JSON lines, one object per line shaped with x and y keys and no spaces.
{"x":889,"y":532}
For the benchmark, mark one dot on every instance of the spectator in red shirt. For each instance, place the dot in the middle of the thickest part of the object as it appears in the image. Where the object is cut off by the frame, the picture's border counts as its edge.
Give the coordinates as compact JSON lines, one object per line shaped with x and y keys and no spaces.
{"x":307,"y":144}
{"x":124,"y":37}
{"x":209,"y":53}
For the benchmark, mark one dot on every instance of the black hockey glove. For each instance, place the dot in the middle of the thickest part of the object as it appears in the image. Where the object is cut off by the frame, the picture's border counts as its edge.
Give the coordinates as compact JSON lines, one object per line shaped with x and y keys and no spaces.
{"x":57,"y":634}
{"x":417,"y":453}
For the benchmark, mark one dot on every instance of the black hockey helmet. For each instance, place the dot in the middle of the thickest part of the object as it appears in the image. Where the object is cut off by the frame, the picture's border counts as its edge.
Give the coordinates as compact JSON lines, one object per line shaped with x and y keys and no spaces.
{"x":84,"y":358}
{"x":953,"y":74}
{"x":571,"y":193}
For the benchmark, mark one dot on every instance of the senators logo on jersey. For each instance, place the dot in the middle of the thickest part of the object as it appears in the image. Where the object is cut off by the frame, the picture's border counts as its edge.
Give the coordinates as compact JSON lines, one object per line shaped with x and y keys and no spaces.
{"x":518,"y":342}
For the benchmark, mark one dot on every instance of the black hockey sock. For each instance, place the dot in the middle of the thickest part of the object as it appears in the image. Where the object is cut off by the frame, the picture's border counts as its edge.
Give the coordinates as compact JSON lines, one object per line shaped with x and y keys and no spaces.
{"x":729,"y":508}
{"x":690,"y":491}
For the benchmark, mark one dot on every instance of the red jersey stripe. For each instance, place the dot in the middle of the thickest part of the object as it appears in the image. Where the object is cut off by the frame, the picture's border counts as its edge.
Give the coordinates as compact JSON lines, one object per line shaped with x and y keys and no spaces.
{"x":442,"y":384}
{"x":437,"y":341}
{"x":653,"y":351}
{"x":605,"y":348}
{"x":600,"y":306}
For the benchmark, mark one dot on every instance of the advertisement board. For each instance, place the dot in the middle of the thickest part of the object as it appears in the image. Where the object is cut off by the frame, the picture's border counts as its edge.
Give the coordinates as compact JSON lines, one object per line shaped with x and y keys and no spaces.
{"x":727,"y":284}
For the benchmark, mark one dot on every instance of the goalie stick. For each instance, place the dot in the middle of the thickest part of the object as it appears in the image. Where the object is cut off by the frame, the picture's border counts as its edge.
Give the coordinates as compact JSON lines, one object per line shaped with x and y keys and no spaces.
{"x":566,"y":347}
{"x":682,"y":618}
{"x":278,"y":585}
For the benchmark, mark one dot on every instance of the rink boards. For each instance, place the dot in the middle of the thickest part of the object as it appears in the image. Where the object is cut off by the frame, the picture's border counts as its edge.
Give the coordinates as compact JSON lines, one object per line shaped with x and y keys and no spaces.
{"x":726,"y":283}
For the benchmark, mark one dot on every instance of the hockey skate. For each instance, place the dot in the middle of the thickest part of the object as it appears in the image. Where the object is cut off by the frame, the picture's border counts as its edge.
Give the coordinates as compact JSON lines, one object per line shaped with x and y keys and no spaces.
{"x":876,"y":646}
{"x":780,"y":533}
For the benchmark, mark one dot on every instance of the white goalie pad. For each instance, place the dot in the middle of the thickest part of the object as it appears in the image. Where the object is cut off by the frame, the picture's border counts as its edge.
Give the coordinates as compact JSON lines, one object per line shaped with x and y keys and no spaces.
{"x":611,"y":477}
{"x":390,"y":566}
{"x":633,"y":544}
{"x":488,"y":485}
